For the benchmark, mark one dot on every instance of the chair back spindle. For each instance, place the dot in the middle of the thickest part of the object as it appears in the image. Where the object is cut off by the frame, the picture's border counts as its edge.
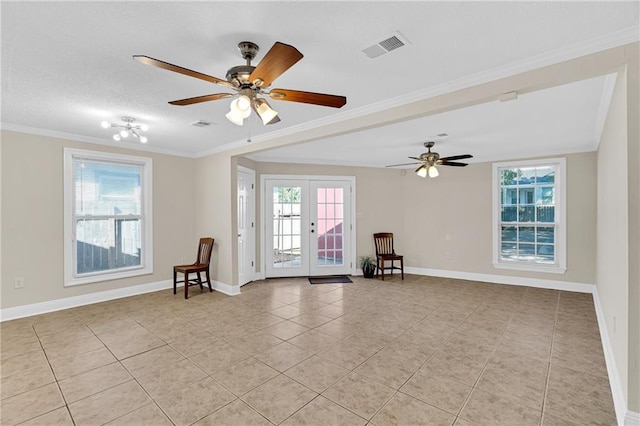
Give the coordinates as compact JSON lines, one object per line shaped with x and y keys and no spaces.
{"x":204,"y":251}
{"x":385,"y":252}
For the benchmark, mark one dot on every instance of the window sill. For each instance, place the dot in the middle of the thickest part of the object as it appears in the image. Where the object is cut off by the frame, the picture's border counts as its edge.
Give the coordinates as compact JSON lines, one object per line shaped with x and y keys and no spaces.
{"x":551,"y":269}
{"x":107,"y":276}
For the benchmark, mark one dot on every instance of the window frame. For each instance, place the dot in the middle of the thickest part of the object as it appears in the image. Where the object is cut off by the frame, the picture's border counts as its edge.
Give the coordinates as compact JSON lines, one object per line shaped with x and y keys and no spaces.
{"x":71,"y":278}
{"x":560,"y":265}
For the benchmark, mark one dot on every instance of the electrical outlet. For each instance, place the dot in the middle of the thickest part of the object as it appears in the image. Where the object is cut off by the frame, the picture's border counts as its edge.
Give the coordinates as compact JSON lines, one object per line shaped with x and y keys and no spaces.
{"x":18,"y":282}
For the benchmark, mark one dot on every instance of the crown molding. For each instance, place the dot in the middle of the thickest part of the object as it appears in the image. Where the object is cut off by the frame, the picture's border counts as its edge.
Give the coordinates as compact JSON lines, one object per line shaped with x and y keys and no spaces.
{"x":87,"y":139}
{"x":616,"y":39}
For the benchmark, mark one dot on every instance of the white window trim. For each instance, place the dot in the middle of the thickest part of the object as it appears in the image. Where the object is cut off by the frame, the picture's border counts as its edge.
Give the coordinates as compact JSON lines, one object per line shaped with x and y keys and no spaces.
{"x":146,"y":267}
{"x":560,"y":213}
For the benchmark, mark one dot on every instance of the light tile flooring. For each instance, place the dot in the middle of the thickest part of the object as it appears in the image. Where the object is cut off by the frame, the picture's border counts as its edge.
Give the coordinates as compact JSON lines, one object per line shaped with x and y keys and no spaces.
{"x":419,"y":351}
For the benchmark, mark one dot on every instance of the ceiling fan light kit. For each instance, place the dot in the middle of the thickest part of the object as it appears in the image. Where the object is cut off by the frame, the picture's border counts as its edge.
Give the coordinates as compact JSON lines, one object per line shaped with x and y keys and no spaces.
{"x":249,"y":81}
{"x":428,"y":161}
{"x":128,"y":128}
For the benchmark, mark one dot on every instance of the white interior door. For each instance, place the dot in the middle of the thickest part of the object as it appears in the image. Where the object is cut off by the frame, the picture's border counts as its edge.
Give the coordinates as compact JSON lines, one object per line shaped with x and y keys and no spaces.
{"x":307,"y":227}
{"x":246,"y":225}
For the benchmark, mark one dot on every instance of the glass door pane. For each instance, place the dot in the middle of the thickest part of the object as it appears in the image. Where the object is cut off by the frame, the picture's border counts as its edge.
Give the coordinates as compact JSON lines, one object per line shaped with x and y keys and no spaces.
{"x":330,"y":229}
{"x":307,"y":227}
{"x":286,"y":226}
{"x":286,"y":230}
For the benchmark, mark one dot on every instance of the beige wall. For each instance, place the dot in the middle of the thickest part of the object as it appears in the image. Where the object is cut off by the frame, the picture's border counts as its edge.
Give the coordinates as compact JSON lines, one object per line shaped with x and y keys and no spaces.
{"x":633,"y":166}
{"x":32,"y":218}
{"x":613,"y":229}
{"x":448,"y":221}
{"x":618,"y":257}
{"x":423,"y":213}
{"x":214,"y":191}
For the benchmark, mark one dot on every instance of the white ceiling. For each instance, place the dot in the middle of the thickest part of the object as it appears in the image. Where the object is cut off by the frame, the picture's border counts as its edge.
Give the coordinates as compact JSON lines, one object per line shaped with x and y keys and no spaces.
{"x":66,"y":66}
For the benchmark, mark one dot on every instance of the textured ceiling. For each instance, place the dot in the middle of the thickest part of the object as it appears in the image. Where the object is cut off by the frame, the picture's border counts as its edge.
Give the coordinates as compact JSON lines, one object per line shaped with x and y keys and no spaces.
{"x":66,"y":66}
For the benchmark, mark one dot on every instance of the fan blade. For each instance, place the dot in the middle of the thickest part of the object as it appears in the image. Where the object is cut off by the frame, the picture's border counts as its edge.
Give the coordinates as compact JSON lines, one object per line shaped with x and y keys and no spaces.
{"x":333,"y":101}
{"x":403,"y":164}
{"x":451,"y":163}
{"x":416,"y":158}
{"x":278,"y":59}
{"x":457,"y":157}
{"x":175,"y":68}
{"x":198,"y":99}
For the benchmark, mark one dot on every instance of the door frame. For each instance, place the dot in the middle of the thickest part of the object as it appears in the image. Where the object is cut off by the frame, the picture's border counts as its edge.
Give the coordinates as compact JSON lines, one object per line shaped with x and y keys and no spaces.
{"x":263,"y":205}
{"x":251,"y":212}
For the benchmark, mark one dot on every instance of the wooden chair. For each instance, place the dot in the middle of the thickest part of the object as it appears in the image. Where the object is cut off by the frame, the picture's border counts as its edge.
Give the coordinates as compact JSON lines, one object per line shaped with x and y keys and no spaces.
{"x":385,"y":252}
{"x":201,"y":265}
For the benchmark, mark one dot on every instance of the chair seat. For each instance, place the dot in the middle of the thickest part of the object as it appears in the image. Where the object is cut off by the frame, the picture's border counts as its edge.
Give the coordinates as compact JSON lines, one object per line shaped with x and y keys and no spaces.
{"x":191,"y":268}
{"x":390,"y":256}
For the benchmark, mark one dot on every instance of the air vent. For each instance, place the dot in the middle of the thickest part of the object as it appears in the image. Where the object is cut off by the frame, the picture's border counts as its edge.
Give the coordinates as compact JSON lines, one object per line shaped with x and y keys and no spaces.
{"x":201,"y":123}
{"x":387,"y":44}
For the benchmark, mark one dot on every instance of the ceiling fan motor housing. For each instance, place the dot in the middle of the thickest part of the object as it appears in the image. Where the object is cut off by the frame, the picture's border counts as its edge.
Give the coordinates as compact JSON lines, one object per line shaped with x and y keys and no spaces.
{"x":239,"y":76}
{"x":429,"y":157}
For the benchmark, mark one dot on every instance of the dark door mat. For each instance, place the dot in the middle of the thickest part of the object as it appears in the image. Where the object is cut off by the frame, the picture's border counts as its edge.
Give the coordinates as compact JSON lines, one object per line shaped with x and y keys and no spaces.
{"x":339,"y":279}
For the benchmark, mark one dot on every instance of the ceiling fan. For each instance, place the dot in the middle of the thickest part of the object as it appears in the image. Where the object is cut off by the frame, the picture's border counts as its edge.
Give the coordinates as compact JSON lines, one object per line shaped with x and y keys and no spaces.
{"x":248,"y":81}
{"x":428,"y":161}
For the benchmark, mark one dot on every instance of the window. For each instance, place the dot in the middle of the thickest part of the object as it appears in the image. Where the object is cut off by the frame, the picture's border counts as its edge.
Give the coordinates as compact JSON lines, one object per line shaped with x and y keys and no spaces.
{"x":529,"y":231}
{"x":107,"y":216}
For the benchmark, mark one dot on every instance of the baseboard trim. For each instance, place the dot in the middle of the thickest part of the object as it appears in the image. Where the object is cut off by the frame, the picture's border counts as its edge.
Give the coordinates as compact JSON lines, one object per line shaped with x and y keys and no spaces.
{"x":229,"y":290}
{"x":632,"y":419}
{"x":504,"y":279}
{"x":619,"y":402}
{"x":102,"y":296}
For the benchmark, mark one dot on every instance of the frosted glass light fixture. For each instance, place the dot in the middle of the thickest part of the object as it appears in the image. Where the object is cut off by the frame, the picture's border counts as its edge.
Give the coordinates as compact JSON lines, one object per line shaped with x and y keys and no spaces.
{"x":128,"y":128}
{"x":427,"y":170}
{"x":240,"y":108}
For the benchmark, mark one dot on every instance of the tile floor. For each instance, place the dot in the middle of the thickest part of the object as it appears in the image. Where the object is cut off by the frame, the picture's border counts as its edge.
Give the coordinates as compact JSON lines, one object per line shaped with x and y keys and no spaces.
{"x":423,"y":351}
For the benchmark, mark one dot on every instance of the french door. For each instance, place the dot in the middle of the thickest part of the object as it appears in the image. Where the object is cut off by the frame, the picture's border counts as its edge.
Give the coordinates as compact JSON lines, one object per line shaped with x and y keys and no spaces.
{"x":308,"y":227}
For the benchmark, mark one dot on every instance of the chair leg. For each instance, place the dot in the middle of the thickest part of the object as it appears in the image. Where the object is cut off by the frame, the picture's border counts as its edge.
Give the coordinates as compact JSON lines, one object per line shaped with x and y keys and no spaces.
{"x":382,"y":269}
{"x":392,"y":267}
{"x":186,"y":285}
{"x":199,"y":280}
{"x":402,"y":267}
{"x":209,"y":282}
{"x":175,"y":281}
